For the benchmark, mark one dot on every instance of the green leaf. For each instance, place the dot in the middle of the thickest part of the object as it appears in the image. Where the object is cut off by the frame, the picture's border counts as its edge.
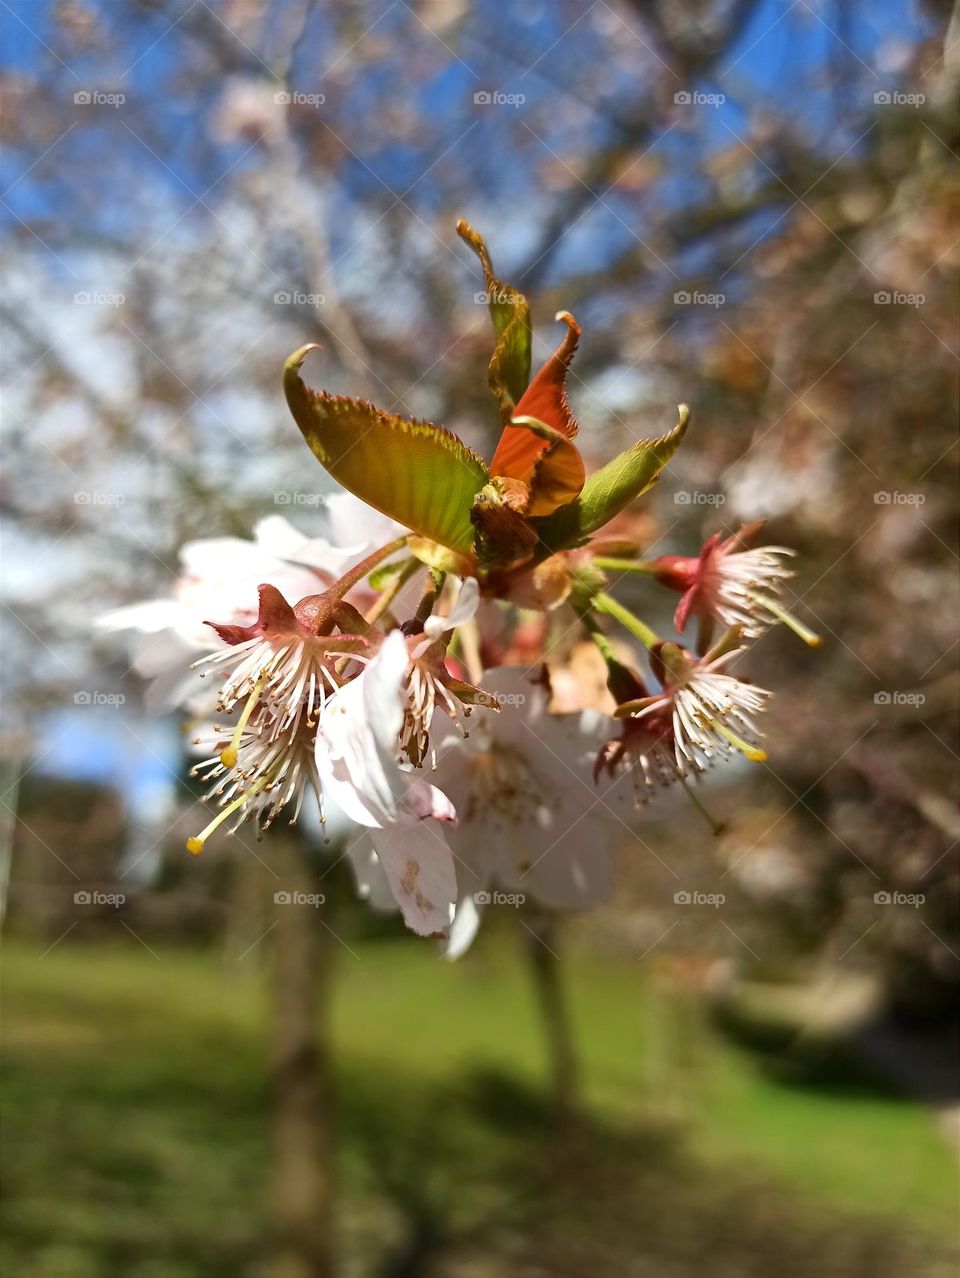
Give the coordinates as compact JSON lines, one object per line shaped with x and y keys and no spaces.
{"x":387,"y":573}
{"x":440,"y":558}
{"x":509,"y":370}
{"x":421,"y":475}
{"x":608,"y":490}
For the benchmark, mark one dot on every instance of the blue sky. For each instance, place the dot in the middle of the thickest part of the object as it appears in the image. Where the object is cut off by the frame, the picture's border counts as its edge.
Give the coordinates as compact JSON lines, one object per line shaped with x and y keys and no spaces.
{"x":782,"y":62}
{"x":816,"y":64}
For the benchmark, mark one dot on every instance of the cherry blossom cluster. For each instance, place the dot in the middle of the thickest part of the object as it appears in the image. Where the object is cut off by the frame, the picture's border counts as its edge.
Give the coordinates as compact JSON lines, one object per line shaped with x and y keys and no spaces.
{"x":387,"y":671}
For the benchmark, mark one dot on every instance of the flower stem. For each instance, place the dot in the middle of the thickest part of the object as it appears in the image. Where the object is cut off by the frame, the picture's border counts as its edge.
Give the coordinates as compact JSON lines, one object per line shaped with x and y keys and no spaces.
{"x":431,"y":594}
{"x":639,"y":629}
{"x":599,"y":638}
{"x":390,"y":592}
{"x":716,"y":826}
{"x":623,"y":565}
{"x":363,"y":569}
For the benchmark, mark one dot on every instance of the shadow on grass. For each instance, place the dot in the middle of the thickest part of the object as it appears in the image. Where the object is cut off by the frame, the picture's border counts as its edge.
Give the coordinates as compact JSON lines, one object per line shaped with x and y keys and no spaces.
{"x":134,"y":1144}
{"x":480,"y":1182}
{"x":881,"y":1058}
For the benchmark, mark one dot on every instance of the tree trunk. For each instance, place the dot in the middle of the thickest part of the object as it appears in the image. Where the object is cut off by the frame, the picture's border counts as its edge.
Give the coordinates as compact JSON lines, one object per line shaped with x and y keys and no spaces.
{"x":302,"y":1104}
{"x":542,"y":952}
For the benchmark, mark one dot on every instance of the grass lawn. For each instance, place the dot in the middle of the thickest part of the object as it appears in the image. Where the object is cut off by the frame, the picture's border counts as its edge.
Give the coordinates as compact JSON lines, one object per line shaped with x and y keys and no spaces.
{"x":134,"y":1109}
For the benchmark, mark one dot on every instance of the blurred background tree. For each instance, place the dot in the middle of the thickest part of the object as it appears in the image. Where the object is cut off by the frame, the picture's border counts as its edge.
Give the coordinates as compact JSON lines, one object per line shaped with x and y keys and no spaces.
{"x":750,"y":206}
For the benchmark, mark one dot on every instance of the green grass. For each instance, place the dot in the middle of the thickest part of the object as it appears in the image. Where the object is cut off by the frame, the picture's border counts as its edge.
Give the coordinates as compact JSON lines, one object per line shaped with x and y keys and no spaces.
{"x":135,"y":1103}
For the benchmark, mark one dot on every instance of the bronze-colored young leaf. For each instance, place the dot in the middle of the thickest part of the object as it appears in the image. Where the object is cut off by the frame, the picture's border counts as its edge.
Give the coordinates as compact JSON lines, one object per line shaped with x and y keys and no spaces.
{"x":535,"y":446}
{"x":509,"y":369}
{"x":557,"y":472}
{"x":420,"y":475}
{"x":608,"y":490}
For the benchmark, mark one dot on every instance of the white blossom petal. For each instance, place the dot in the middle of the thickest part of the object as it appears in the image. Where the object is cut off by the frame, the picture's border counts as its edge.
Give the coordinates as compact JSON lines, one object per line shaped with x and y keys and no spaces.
{"x":419,"y":866}
{"x":463,"y":930}
{"x":357,"y":748}
{"x":463,"y":610}
{"x":530,"y":818}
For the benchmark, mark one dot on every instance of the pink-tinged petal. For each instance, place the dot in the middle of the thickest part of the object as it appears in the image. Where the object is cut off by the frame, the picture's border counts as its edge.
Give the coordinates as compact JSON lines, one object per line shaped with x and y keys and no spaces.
{"x":163,"y":652}
{"x":424,"y":800}
{"x":419,"y":867}
{"x":711,"y":555}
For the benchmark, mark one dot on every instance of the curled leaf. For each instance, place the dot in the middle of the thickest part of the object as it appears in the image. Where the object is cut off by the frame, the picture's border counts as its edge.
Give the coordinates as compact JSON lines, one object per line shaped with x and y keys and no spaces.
{"x":535,"y":445}
{"x":509,"y":369}
{"x":419,"y":474}
{"x":544,"y":400}
{"x":558,"y":472}
{"x":608,"y":490}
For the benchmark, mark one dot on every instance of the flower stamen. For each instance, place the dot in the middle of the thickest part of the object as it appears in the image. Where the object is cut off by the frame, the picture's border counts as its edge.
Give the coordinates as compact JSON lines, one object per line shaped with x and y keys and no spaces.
{"x":196,"y":844}
{"x":764,"y":602}
{"x":228,"y":756}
